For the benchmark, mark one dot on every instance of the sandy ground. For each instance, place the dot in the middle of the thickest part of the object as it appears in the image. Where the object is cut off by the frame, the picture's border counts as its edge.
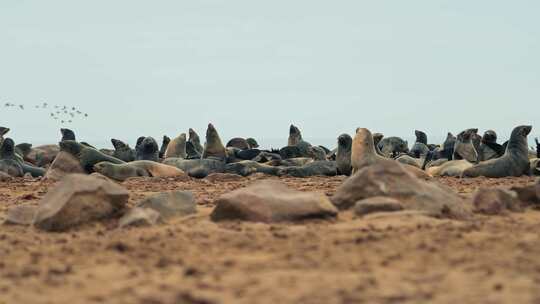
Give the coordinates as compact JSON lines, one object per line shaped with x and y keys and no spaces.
{"x":381,"y":258}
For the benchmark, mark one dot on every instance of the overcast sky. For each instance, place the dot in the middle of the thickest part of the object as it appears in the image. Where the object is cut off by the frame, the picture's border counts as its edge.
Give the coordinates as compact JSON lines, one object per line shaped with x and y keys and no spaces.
{"x":253,"y":67}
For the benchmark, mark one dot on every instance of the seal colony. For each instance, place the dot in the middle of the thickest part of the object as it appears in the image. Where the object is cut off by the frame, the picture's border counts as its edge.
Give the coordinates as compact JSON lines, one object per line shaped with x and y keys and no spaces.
{"x":466,"y":155}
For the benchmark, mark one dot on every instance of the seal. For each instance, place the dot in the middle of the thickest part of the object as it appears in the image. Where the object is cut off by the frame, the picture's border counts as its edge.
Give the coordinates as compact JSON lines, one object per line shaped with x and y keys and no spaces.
{"x":392,"y":146}
{"x":363,"y":154}
{"x":420,"y":147}
{"x":12,"y":164}
{"x":489,"y":148}
{"x":191,"y":151}
{"x":42,"y":156}
{"x":452,"y":168}
{"x":87,"y":156}
{"x":239,"y":143}
{"x":537,"y":148}
{"x":377,"y":137}
{"x":214,"y":146}
{"x":295,"y":136}
{"x":164,"y":144}
{"x":195,"y":140}
{"x":464,"y":147}
{"x":147,"y":149}
{"x":3,"y":131}
{"x":67,"y":134}
{"x":253,"y":144}
{"x":248,"y":167}
{"x":514,"y":162}
{"x":177,"y":147}
{"x":535,"y":167}
{"x":315,"y":168}
{"x":343,"y":154}
{"x":122,"y":150}
{"x":138,"y":168}
{"x":198,"y":168}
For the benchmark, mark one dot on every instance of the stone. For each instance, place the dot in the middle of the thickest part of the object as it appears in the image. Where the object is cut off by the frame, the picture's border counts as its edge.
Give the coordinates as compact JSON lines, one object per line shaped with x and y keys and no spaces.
{"x":139,"y":217}
{"x":64,"y":164}
{"x":20,"y":215}
{"x":4,"y":177}
{"x":528,"y":195}
{"x":79,"y":199}
{"x":272,"y":201}
{"x":391,"y":180}
{"x":223,"y":177}
{"x":377,"y":204}
{"x":170,"y":204}
{"x":495,"y":201}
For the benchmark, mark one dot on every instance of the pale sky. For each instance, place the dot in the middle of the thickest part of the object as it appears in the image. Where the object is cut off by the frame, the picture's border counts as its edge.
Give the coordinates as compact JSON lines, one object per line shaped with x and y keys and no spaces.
{"x":253,"y":67}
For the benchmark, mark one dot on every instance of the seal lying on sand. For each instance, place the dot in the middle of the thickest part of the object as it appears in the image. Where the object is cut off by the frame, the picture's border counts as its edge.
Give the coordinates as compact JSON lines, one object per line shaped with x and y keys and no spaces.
{"x":137,"y":168}
{"x":87,"y":156}
{"x":514,"y":162}
{"x":248,"y":167}
{"x":214,"y":146}
{"x":464,"y":147}
{"x":343,"y":154}
{"x":453,"y":168}
{"x":122,"y":150}
{"x":316,"y":168}
{"x":198,"y":168}
{"x":12,"y":164}
{"x":177,"y":147}
{"x":489,"y":148}
{"x":147,"y":149}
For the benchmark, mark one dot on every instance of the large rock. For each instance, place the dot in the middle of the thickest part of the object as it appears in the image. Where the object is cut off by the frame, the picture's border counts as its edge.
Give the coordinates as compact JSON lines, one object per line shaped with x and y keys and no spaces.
{"x":62,"y":165}
{"x":529,"y":195}
{"x":170,"y":204}
{"x":495,"y":201}
{"x":272,"y":201}
{"x":79,"y":199}
{"x":139,"y":217}
{"x":392,"y":180}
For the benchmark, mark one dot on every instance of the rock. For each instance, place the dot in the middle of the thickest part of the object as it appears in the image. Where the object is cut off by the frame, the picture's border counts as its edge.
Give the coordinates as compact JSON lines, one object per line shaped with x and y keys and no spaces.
{"x":495,"y":201}
{"x":528,"y":195}
{"x":63,"y":164}
{"x":100,"y":176}
{"x":223,"y":177}
{"x":271,"y":201}
{"x":377,"y":204}
{"x":139,"y":217}
{"x":21,"y":215}
{"x":391,"y":180}
{"x":170,"y":204}
{"x":79,"y":199}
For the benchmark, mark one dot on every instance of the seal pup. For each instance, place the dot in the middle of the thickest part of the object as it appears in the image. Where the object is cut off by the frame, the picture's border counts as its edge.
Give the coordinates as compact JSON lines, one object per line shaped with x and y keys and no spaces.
{"x":67,"y":134}
{"x":214,"y":146}
{"x":464,"y":147}
{"x":453,"y":168}
{"x":195,"y":140}
{"x":489,"y":148}
{"x":343,"y":154}
{"x":295,"y":136}
{"x":12,"y":164}
{"x":122,"y":150}
{"x":177,"y":147}
{"x":514,"y":162}
{"x":147,"y":149}
{"x":164,"y":144}
{"x":87,"y":156}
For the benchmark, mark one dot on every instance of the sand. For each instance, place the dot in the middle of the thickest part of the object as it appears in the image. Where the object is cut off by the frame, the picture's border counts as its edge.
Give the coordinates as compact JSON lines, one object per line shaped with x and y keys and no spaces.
{"x":382,"y":258}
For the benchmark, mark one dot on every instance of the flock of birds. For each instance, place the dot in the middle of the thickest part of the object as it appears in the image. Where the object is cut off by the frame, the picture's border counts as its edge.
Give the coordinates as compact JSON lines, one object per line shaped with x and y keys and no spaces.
{"x":61,"y":113}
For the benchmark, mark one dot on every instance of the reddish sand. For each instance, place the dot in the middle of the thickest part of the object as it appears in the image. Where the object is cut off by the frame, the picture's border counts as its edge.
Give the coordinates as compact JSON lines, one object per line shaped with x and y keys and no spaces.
{"x":382,"y":258}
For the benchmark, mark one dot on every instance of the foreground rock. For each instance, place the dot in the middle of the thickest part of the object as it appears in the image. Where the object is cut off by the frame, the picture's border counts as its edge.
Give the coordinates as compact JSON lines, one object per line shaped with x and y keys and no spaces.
{"x":171,"y":204}
{"x":377,"y":204}
{"x":495,"y":201}
{"x":391,"y":180}
{"x":529,"y":195}
{"x":272,"y":201}
{"x":139,"y":217}
{"x":62,"y":165}
{"x":79,"y":199}
{"x":20,"y":215}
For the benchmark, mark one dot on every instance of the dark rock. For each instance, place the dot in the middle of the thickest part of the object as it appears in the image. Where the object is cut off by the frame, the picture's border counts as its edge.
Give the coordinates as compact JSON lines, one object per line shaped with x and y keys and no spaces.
{"x":170,"y":204}
{"x":139,"y":217}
